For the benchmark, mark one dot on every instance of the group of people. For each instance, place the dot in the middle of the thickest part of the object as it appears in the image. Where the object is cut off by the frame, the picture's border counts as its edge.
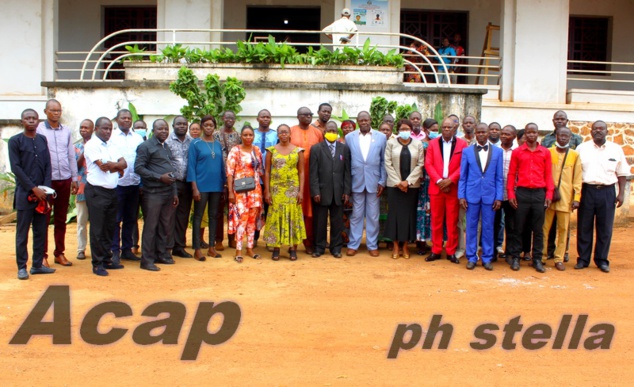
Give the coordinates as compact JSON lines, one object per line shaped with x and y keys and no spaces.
{"x":465,"y":188}
{"x":451,"y":53}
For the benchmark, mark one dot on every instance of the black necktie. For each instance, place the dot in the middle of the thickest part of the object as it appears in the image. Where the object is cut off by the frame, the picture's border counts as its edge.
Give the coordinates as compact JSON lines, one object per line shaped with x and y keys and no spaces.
{"x":483,"y":147}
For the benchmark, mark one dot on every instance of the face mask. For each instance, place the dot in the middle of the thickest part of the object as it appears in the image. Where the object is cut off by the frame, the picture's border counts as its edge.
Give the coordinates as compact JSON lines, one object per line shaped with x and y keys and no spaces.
{"x":331,"y":137}
{"x":405,"y":135}
{"x":562,"y":146}
{"x":141,"y":132}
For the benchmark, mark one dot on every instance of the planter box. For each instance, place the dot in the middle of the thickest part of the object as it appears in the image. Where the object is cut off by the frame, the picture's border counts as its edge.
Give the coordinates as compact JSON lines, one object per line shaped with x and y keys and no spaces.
{"x":269,"y":73}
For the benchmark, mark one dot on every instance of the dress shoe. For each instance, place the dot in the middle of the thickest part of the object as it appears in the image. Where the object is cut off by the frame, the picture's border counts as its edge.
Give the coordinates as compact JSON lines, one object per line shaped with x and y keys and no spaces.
{"x":374,"y":253}
{"x":471,"y":265}
{"x":81,"y":255}
{"x":218,"y":246}
{"x":61,"y":260}
{"x":45,"y":262}
{"x":515,"y":264}
{"x":204,"y":245}
{"x":128,"y":255}
{"x":115,"y":255}
{"x":316,"y":254}
{"x":527,"y":257}
{"x":310,"y":250}
{"x":232,"y":243}
{"x":150,"y":267}
{"x":337,"y":254}
{"x":453,"y":259}
{"x":604,"y":268}
{"x":112,"y":265}
{"x":212,"y":253}
{"x":164,"y":261}
{"x":499,"y":249}
{"x":539,"y":267}
{"x":566,"y":258}
{"x":199,"y":256}
{"x":580,"y":266}
{"x":560,"y":266}
{"x":22,"y":274}
{"x":42,"y":270}
{"x":100,"y":271}
{"x":351,"y":252}
{"x":488,"y":266}
{"x":181,"y":253}
{"x":432,"y":257}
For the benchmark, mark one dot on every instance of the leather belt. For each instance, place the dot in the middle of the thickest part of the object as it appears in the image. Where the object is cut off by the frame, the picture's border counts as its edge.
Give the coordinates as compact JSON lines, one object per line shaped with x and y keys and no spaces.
{"x":599,"y":186}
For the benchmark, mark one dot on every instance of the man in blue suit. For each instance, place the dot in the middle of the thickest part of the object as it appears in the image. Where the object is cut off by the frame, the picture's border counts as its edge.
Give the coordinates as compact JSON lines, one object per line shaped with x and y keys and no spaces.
{"x":367,"y":149}
{"x":480,"y":191}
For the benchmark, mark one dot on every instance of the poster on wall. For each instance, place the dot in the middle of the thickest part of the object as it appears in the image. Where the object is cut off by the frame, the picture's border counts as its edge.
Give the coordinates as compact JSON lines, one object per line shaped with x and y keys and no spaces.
{"x":372,"y":14}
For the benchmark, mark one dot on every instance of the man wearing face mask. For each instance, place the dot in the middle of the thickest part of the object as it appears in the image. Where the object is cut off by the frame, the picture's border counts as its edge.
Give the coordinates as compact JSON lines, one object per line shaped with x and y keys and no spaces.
{"x":566,"y":166}
{"x":330,"y":186}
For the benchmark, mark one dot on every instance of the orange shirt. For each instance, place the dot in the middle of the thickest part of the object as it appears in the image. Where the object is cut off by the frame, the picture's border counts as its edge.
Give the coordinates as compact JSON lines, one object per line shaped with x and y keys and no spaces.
{"x":305,"y":139}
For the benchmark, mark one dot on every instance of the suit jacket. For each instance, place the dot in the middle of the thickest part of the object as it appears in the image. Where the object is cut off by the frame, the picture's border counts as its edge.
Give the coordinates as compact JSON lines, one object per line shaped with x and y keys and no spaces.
{"x":330,"y":177}
{"x":477,"y":186}
{"x":393,"y":163}
{"x":434,"y":162}
{"x":367,"y":174}
{"x":31,"y":163}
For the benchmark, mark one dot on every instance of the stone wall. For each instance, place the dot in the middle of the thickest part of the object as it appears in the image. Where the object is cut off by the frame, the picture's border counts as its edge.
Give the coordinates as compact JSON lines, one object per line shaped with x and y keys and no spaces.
{"x":618,"y":132}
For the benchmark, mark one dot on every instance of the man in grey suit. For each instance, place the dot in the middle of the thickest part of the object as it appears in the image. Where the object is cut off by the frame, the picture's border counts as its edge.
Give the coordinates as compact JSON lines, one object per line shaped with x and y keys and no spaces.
{"x":330,"y":185}
{"x":367,"y":149}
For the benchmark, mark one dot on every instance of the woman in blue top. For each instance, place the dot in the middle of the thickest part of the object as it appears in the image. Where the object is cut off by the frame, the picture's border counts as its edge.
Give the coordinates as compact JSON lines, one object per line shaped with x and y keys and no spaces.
{"x":206,"y":172}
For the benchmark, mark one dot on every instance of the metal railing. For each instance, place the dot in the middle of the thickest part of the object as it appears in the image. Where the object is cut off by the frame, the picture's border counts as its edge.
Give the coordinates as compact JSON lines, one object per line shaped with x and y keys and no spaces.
{"x":600,"y":75}
{"x":99,"y":63}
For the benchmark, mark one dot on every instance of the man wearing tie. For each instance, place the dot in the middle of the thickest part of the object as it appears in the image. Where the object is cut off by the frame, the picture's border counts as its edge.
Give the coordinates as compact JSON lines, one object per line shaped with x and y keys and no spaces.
{"x":330,"y":185}
{"x":443,"y":159}
{"x":367,"y":151}
{"x":480,"y":191}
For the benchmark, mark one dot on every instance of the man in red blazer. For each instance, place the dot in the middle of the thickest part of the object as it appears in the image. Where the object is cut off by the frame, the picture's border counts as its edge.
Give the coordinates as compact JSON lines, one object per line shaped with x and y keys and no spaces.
{"x":442,"y":163}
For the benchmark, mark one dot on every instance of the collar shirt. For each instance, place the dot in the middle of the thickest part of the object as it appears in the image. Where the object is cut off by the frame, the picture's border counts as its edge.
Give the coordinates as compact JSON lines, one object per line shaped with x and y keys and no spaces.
{"x":180,"y":151}
{"x":602,"y":165}
{"x":264,"y":140}
{"x":550,"y":139}
{"x":530,"y":169}
{"x":127,"y":144}
{"x":227,"y":140}
{"x":483,"y":155}
{"x":94,"y":150}
{"x":154,"y":159}
{"x":506,"y":154}
{"x":498,"y":143}
{"x":420,"y":136}
{"x":446,"y":156}
{"x":469,"y":142}
{"x":365,"y":141}
{"x":62,"y":150}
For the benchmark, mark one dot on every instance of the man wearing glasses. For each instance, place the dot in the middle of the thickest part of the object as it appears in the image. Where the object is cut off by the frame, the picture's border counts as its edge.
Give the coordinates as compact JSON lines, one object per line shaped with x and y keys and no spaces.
{"x":305,"y":136}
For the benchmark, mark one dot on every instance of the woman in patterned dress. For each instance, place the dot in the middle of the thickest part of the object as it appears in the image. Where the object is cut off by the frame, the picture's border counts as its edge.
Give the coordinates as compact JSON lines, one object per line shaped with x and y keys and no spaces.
{"x":283,"y":191}
{"x":423,"y":214}
{"x":244,"y":160}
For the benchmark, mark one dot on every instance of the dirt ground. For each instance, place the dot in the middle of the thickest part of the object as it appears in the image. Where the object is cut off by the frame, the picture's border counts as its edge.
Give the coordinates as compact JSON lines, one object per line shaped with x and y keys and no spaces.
{"x":326,"y":321}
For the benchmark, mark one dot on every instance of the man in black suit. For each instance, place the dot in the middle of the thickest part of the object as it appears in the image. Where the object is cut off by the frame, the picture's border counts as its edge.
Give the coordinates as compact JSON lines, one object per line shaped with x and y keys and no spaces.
{"x":330,"y":186}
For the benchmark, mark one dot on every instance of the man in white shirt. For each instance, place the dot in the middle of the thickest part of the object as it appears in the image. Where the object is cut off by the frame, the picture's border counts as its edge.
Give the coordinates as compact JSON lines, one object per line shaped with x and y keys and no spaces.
{"x":342,"y":30}
{"x":104,"y":165}
{"x":603,"y":164}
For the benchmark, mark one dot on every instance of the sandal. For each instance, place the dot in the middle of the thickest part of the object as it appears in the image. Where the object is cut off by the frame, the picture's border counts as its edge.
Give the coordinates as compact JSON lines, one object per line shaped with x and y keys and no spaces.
{"x":395,"y":255}
{"x":276,"y":255}
{"x":256,"y":256}
{"x":238,"y":259}
{"x":293,"y":254}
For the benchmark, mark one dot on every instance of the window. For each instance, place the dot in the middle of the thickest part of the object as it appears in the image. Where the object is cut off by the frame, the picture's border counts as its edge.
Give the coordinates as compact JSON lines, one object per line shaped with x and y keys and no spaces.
{"x":588,"y":41}
{"x":433,"y":26}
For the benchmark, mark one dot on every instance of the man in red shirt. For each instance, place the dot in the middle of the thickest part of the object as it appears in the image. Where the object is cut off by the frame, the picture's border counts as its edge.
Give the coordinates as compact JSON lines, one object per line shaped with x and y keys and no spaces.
{"x":530,"y":190}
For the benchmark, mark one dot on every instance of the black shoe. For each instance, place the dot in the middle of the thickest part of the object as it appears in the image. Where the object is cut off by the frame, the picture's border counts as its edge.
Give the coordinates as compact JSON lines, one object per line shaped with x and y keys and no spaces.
{"x":316,"y":254}
{"x":604,"y":268}
{"x":471,"y":265}
{"x":495,"y":258}
{"x":527,"y":257}
{"x":112,"y":265}
{"x":164,"y":261}
{"x":127,"y":255}
{"x":22,"y":274}
{"x":181,"y":253}
{"x":452,"y":258}
{"x":42,"y":270}
{"x":337,"y":254}
{"x":488,"y":266}
{"x":566,"y":259}
{"x":150,"y":267}
{"x":100,"y":271}
{"x":537,"y":264}
{"x":432,"y":257}
{"x":580,"y":266}
{"x":515,"y":264}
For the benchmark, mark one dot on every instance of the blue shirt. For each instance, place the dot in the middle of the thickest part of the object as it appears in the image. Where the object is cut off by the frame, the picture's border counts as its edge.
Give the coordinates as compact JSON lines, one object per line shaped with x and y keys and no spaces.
{"x":445,"y":52}
{"x":264,"y":140}
{"x":206,"y":166}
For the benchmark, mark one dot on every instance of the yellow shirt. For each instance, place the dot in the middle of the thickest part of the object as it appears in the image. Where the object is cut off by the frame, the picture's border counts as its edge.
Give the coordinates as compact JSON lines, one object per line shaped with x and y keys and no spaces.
{"x":570,"y":187}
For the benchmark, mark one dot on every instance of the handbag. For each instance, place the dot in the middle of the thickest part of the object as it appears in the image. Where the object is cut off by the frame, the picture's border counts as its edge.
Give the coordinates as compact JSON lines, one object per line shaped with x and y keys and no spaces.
{"x":245,"y":184}
{"x":556,"y":193}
